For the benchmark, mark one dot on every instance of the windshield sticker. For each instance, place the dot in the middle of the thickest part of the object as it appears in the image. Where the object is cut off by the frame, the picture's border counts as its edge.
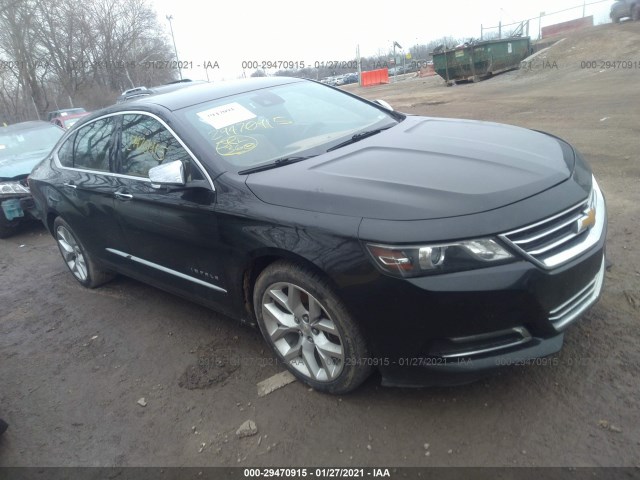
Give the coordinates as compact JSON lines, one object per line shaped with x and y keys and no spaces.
{"x":225,"y":115}
{"x":250,"y":126}
{"x":236,"y":145}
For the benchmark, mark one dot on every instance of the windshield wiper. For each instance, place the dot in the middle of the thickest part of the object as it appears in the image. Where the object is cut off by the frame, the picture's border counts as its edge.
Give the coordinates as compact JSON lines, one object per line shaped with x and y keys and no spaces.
{"x":357,"y":137}
{"x":275,"y":164}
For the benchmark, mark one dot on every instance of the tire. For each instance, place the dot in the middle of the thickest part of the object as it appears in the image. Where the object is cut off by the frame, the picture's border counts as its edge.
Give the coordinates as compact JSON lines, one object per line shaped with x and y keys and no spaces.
{"x":80,"y":263}
{"x":309,"y":328}
{"x":615,"y":19}
{"x":635,"y":13}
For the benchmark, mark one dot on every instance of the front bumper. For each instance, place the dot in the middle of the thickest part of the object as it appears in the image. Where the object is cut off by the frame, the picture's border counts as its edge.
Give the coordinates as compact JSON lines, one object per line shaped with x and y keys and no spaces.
{"x":454,"y":328}
{"x":459,"y":360}
{"x":438,"y":371}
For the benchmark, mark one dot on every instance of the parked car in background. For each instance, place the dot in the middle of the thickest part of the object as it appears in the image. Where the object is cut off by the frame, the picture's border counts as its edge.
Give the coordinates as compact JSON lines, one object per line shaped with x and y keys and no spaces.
{"x":64,"y":111}
{"x":22,"y":146}
{"x":339,"y":80}
{"x":350,"y":78}
{"x":66,"y":121}
{"x":435,"y":250}
{"x":410,"y":67}
{"x":329,"y":81}
{"x":625,"y":8}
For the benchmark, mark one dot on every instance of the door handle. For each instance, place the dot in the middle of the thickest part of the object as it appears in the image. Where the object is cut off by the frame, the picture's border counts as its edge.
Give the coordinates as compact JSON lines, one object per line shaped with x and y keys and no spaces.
{"x":70,"y":185}
{"x":123,"y":196}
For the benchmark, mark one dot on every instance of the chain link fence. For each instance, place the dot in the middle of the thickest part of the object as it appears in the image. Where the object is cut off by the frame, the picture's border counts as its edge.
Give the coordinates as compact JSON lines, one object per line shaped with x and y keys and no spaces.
{"x":533,"y":26}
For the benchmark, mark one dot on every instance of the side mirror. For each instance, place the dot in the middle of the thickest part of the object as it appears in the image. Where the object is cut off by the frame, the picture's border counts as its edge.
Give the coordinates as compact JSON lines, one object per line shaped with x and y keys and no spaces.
{"x":383,"y":104}
{"x":168,"y":175}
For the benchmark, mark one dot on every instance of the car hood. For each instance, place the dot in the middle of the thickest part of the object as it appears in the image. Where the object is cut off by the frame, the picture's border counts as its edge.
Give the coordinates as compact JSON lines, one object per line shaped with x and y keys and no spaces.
{"x":20,"y":165}
{"x":423,"y":168}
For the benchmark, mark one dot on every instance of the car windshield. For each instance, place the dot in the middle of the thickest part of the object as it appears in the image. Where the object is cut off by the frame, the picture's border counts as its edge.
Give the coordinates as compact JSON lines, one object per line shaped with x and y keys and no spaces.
{"x":294,"y":120}
{"x":26,"y":142}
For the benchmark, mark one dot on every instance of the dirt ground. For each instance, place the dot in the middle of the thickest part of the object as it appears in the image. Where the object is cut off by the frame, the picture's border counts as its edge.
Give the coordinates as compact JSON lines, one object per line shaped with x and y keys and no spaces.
{"x":75,"y":362}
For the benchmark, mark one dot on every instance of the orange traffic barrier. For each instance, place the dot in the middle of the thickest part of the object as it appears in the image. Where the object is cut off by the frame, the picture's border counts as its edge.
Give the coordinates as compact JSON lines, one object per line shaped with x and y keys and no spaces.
{"x":374,"y":77}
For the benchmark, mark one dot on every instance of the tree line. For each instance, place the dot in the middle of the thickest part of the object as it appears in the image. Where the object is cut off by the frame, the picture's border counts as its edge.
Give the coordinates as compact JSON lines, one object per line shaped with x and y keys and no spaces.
{"x":63,"y":53}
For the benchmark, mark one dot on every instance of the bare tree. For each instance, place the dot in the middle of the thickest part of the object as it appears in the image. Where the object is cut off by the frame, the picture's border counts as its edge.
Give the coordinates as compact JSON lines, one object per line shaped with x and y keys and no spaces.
{"x":60,"y":52}
{"x":19,"y":45}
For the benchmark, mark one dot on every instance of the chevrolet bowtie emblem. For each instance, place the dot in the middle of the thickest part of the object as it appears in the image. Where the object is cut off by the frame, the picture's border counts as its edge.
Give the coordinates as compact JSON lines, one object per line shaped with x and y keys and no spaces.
{"x":587,"y":221}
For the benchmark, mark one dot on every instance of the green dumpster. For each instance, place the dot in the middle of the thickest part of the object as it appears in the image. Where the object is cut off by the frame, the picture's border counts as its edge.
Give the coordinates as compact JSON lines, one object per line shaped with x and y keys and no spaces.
{"x":475,"y":61}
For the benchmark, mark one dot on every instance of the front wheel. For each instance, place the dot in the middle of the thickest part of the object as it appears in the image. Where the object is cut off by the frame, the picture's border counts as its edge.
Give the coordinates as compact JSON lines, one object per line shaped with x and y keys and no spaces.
{"x":78,"y":260}
{"x":310,"y":329}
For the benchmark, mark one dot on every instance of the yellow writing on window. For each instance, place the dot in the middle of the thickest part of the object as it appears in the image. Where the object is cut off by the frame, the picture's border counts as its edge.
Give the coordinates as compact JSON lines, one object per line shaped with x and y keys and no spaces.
{"x":250,"y":126}
{"x":236,"y":145}
{"x":146,"y":145}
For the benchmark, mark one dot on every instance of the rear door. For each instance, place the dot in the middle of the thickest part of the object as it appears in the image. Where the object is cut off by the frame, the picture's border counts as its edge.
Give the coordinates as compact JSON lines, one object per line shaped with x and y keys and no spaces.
{"x":87,"y":185}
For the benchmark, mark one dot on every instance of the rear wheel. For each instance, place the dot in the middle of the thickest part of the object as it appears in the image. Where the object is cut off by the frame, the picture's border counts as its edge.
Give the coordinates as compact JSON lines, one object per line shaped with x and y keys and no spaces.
{"x":309,"y":328}
{"x":77,"y":258}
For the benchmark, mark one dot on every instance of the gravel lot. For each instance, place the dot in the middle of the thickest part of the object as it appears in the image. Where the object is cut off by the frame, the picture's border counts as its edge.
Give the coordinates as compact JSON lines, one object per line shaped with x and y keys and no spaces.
{"x":74,"y":363}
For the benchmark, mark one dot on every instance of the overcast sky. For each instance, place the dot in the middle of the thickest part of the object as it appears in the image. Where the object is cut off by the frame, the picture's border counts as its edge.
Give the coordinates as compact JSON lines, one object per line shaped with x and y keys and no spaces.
{"x":231,"y":32}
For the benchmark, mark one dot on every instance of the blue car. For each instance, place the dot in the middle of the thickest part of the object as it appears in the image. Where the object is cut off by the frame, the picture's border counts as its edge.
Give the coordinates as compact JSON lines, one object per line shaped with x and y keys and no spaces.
{"x":22,"y":147}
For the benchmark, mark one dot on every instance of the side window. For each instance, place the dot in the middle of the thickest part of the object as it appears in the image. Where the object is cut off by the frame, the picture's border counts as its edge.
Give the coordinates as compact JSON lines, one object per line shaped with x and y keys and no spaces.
{"x":93,"y":145}
{"x":65,"y":152}
{"x":146,"y":143}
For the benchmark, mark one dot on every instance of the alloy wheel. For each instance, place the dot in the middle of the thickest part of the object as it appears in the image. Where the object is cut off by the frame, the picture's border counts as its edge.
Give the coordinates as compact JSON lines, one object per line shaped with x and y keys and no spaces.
{"x":302,"y":331}
{"x":72,"y":253}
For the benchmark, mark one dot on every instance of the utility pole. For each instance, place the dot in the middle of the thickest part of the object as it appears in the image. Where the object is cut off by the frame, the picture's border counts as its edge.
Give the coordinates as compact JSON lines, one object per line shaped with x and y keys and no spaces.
{"x":395,"y":60}
{"x":540,"y":25}
{"x":175,"y":49}
{"x":395,"y":67}
{"x":359,"y":65}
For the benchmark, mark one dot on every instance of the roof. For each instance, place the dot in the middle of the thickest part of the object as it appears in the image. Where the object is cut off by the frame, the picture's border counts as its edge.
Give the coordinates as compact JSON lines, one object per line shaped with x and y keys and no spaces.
{"x":203,"y":92}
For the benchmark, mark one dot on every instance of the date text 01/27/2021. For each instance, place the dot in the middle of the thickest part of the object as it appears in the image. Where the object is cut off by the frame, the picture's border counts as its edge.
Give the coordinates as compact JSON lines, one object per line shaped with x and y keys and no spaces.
{"x":117,"y":64}
{"x":328,"y":472}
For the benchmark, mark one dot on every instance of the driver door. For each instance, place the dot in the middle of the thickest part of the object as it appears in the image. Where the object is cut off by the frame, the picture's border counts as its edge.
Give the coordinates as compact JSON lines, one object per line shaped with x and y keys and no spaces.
{"x":172,"y":233}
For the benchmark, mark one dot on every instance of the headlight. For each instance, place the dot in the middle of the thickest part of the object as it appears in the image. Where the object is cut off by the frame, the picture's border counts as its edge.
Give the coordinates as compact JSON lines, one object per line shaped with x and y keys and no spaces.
{"x":418,"y":260}
{"x":13,"y":188}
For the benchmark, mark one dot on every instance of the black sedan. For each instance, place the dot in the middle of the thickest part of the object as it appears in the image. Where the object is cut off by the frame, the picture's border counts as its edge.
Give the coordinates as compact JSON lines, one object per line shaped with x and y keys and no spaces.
{"x":356,"y":238}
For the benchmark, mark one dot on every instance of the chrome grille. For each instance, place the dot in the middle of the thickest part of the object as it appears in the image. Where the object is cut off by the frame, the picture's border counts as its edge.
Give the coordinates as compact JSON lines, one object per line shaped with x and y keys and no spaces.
{"x":542,"y":239}
{"x":567,"y":312}
{"x":560,"y":238}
